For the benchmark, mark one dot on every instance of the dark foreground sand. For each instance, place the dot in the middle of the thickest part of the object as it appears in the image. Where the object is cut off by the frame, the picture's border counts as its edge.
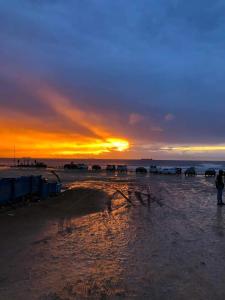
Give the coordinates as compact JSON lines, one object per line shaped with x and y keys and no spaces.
{"x":71,"y":247}
{"x":24,"y":228}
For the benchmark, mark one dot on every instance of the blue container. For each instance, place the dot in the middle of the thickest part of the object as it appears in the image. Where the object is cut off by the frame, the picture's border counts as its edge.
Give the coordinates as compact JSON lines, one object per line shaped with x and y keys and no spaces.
{"x":44,"y":190}
{"x":6,"y":190}
{"x":13,"y":189}
{"x":26,"y":182}
{"x":22,"y":187}
{"x":36,"y":184}
{"x":54,"y":188}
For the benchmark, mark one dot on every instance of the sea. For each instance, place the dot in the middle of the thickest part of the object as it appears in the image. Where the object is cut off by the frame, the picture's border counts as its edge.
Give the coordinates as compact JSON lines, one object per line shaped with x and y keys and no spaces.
{"x":132,"y":164}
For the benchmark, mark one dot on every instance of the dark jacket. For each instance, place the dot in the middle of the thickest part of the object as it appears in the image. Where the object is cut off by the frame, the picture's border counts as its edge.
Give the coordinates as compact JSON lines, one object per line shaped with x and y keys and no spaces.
{"x":219,"y":182}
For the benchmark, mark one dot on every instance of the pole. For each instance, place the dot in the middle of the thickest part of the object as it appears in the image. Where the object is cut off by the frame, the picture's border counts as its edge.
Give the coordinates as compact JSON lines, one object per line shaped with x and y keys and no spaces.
{"x":14,"y":155}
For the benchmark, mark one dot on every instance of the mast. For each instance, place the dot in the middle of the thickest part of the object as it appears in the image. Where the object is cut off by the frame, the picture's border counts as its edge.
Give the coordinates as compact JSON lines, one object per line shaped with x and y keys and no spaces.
{"x":14,"y":155}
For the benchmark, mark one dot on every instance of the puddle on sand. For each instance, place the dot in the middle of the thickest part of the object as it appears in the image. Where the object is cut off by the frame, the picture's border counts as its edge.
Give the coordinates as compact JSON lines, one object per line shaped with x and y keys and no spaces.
{"x":168,"y":252}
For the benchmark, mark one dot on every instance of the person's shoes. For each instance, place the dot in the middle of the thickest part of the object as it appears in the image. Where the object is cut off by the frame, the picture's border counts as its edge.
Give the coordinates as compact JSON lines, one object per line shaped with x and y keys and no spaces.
{"x":220,"y":203}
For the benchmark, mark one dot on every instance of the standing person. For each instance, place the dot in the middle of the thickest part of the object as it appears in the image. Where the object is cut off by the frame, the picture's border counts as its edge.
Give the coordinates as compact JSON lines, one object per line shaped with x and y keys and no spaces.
{"x":220,"y":187}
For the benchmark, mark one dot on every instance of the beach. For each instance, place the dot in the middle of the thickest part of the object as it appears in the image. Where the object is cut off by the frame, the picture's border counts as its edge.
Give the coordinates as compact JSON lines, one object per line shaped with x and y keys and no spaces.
{"x":112,"y":155}
{"x":72,"y":247}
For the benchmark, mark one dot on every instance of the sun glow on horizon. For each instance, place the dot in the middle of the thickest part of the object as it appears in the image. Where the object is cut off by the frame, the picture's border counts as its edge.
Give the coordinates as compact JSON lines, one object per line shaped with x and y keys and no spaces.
{"x":69,"y":131}
{"x":95,"y":148}
{"x":49,"y":145}
{"x":29,"y":141}
{"x":65,"y":130}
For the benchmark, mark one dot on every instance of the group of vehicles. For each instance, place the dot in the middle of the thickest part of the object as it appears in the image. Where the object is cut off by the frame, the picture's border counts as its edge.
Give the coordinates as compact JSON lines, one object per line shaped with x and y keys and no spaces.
{"x":109,"y":168}
{"x":73,"y":166}
{"x":188,"y":172}
{"x":165,"y":171}
{"x":141,"y":170}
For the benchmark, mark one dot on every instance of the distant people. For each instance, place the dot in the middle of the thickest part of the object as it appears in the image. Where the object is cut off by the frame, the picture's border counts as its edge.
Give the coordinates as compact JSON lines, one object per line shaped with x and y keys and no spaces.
{"x":220,"y":187}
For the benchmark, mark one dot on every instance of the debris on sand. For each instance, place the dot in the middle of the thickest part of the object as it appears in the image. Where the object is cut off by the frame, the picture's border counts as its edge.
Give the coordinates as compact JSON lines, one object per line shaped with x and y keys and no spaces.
{"x":145,"y":199}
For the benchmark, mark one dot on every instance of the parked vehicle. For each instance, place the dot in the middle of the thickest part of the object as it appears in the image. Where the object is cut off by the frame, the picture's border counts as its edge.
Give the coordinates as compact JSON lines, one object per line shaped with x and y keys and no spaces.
{"x":154,"y":170}
{"x":73,"y":166}
{"x":82,"y":167}
{"x":190,"y":172}
{"x":96,"y":168}
{"x":210,"y":172}
{"x":178,"y":171}
{"x":70,"y":166}
{"x":122,"y":168}
{"x":111,"y":168}
{"x":141,"y":170}
{"x":168,"y":171}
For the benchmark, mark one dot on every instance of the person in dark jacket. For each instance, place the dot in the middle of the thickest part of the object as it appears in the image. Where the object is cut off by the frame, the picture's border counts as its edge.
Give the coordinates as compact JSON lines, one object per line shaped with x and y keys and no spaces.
{"x":220,"y":187}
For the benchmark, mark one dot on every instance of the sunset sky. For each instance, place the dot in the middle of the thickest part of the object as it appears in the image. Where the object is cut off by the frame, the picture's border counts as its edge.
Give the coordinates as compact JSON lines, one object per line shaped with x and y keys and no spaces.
{"x":112,"y":79}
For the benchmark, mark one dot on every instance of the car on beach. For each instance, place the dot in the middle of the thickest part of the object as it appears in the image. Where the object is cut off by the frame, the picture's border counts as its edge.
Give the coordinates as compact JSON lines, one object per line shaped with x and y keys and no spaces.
{"x":210,"y":172}
{"x":82,"y":167}
{"x":171,"y":171}
{"x":70,"y":166}
{"x":122,"y":169}
{"x":96,"y":168}
{"x":141,"y":170}
{"x":178,"y":171}
{"x":190,"y":172}
{"x":110,"y":168}
{"x":73,"y":166}
{"x":154,"y":170}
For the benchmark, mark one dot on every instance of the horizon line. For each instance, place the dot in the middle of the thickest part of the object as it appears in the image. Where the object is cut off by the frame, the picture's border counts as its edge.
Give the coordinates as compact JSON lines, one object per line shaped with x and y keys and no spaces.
{"x":127,"y":159}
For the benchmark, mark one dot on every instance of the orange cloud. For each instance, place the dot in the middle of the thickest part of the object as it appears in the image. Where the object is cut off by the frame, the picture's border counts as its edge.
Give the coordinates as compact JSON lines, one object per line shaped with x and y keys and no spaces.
{"x":68,"y":110}
{"x":44,"y":137}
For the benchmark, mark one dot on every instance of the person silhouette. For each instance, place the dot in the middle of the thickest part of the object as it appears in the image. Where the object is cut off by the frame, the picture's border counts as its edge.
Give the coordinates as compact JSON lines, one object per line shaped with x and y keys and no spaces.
{"x":220,"y":187}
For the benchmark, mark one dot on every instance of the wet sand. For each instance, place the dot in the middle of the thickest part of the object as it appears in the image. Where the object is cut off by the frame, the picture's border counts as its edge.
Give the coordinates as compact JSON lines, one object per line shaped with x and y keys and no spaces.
{"x":71,"y":247}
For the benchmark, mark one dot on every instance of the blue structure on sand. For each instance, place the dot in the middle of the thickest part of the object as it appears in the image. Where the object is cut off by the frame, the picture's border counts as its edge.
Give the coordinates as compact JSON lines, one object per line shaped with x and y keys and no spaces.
{"x":14,"y":189}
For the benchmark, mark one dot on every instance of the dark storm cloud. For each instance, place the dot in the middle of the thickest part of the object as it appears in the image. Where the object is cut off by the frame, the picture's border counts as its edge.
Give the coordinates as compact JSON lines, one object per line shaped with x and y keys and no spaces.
{"x":119,"y":58}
